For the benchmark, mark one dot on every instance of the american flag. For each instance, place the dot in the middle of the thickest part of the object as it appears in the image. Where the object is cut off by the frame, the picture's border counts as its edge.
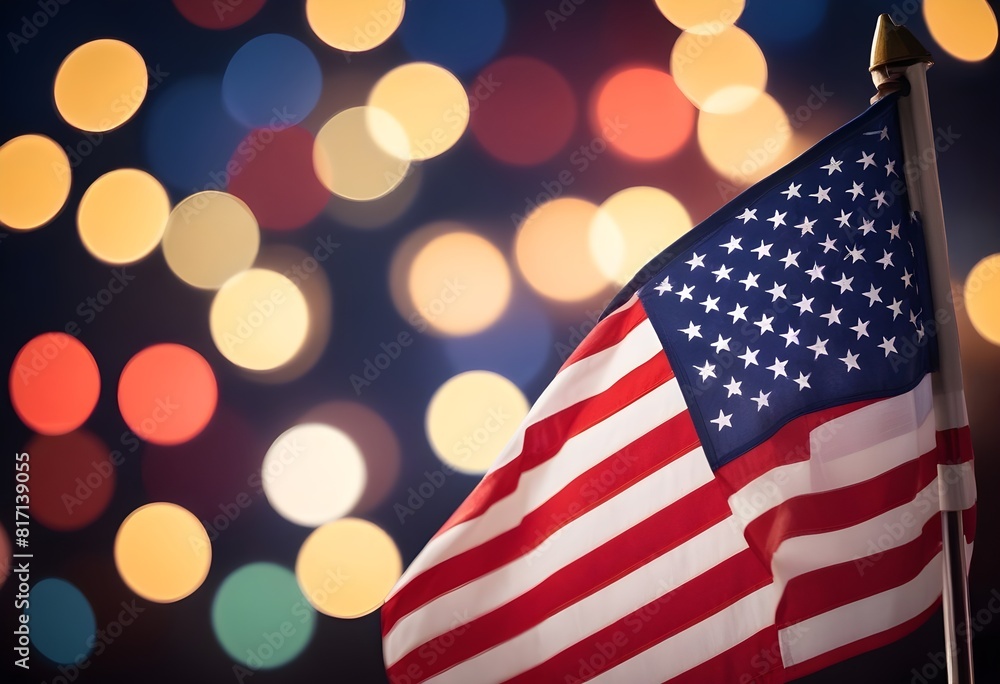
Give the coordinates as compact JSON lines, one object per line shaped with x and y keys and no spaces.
{"x":734,"y":478}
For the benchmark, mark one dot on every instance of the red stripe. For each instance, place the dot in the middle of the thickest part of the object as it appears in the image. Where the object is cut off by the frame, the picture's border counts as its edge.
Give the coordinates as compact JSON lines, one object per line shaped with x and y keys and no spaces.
{"x":670,"y":614}
{"x":861,"y":645}
{"x":544,"y":439}
{"x":608,"y":332}
{"x":754,"y":661}
{"x":838,"y":585}
{"x":840,"y":508}
{"x":969,"y":524}
{"x":659,"y":446}
{"x":955,"y":445}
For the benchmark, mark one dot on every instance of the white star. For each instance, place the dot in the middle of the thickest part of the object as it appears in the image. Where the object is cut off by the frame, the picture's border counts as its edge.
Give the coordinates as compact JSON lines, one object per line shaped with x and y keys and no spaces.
{"x":733,"y":388}
{"x":806,"y":226}
{"x":890,"y":169}
{"x":856,"y":254}
{"x":804,"y":305}
{"x":851,"y":360}
{"x":906,"y":278}
{"x":776,"y":292}
{"x":821,"y":194}
{"x":914,"y":315}
{"x":895,"y":308}
{"x":856,"y":189}
{"x":748,"y":215}
{"x":833,"y":316}
{"x":707,"y":371}
{"x":913,"y":216}
{"x":844,"y":283}
{"x":791,"y":337}
{"x":721,"y":345}
{"x":889,"y":345}
{"x":692,"y":331}
{"x":829,"y":244}
{"x":749,"y":357}
{"x":664,"y":286}
{"x":733,"y":244}
{"x":750,"y":281}
{"x":893,"y":231}
{"x":761,"y":399}
{"x":867,"y":226}
{"x":790,"y":259}
{"x":882,"y":134}
{"x":886,"y":259}
{"x":778,"y":368}
{"x":872,"y":295}
{"x":861,"y":328}
{"x":819,"y":347}
{"x":764,"y":323}
{"x":920,"y":332}
{"x":802,"y":381}
{"x":763,"y":250}
{"x":685,"y":292}
{"x":816,"y":272}
{"x":834,"y":165}
{"x":739,"y":313}
{"x":867,"y":160}
{"x":723,"y":420}
{"x":844,"y":218}
{"x":792,"y":191}
{"x":723,"y":272}
{"x":710,"y":304}
{"x":879,"y":199}
{"x":778,"y":219}
{"x":696,"y":260}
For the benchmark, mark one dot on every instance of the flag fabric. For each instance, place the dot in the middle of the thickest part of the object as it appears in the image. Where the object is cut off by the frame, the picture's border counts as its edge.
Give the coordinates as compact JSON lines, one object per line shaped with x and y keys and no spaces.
{"x":734,"y":477}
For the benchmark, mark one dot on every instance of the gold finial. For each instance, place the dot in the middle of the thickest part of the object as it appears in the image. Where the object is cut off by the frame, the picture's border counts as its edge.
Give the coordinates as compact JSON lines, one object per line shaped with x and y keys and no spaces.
{"x":893,"y":49}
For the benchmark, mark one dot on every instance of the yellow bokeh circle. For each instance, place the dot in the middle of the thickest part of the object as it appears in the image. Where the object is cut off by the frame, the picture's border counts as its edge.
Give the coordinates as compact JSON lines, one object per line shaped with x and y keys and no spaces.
{"x":966,"y":29}
{"x":720,"y":72}
{"x":471,"y":418}
{"x":982,"y":297}
{"x":100,"y":85}
{"x":122,"y":216}
{"x":746,"y":146}
{"x":354,"y":25}
{"x":162,"y":552}
{"x":34,"y":181}
{"x":347,"y":567}
{"x":702,"y":16}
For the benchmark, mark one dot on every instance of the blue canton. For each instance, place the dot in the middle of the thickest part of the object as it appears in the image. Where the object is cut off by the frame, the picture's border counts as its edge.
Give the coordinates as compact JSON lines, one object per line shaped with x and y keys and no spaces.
{"x":807,"y":291}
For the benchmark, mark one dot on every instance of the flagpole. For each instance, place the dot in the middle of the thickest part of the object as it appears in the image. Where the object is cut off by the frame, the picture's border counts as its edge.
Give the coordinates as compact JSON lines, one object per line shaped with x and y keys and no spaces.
{"x":899,"y":59}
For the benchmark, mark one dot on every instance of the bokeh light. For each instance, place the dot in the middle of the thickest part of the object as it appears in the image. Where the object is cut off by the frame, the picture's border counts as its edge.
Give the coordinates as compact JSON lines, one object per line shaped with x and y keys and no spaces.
{"x":272,"y":81}
{"x":54,"y":383}
{"x":471,"y":418}
{"x":255,"y":601}
{"x":72,"y":479}
{"x":5,"y":555}
{"x":210,"y":237}
{"x":122,"y":216}
{"x":100,"y":85}
{"x":354,"y":25}
{"x":966,"y":29}
{"x":781,"y":25}
{"x":167,"y":393}
{"x":376,"y":440}
{"x":746,"y":146}
{"x":704,"y":16}
{"x":162,"y":552}
{"x":560,"y":227}
{"x":530,"y":118}
{"x":218,"y":16}
{"x":633,"y":226}
{"x":313,"y":474}
{"x":259,"y":319}
{"x":982,"y":297}
{"x":427,"y":101}
{"x":723,"y":71}
{"x":34,"y":181}
{"x":640,"y":113}
{"x":380,"y":212}
{"x":457,"y":34}
{"x":347,"y":567}
{"x":188,"y":137}
{"x":61,"y":621}
{"x":275,"y":177}
{"x":361,"y":153}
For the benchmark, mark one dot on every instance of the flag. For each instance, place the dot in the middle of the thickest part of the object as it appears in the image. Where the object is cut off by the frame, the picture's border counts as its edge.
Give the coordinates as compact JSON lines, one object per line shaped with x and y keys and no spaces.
{"x":734,"y":477}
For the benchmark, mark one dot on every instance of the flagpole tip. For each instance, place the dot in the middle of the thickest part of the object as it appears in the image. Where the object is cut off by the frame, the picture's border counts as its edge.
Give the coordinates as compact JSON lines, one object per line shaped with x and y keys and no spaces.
{"x":893,"y":49}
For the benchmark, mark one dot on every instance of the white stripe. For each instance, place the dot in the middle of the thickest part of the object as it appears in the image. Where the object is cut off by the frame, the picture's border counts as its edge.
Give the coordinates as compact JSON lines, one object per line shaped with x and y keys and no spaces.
{"x":847,"y":450}
{"x":539,"y":484}
{"x":958,"y":486}
{"x":578,"y":621}
{"x":863,"y":618}
{"x":951,"y":410}
{"x":700,"y":642}
{"x":596,"y":527}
